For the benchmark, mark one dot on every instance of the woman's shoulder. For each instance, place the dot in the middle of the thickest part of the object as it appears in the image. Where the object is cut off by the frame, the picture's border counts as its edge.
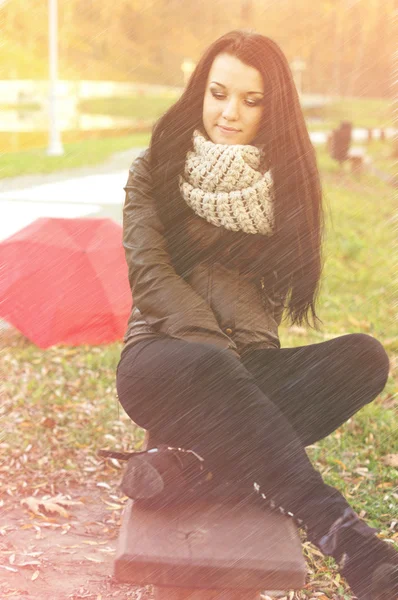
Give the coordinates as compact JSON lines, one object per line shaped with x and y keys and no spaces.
{"x":140,"y":171}
{"x":141,"y":159}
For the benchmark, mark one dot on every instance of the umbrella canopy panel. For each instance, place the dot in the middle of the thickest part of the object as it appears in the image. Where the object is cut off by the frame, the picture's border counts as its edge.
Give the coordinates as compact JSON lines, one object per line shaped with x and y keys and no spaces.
{"x":64,"y":281}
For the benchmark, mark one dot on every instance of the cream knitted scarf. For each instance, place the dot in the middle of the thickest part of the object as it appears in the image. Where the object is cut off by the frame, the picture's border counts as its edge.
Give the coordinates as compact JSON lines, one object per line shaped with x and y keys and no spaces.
{"x":222,"y":183}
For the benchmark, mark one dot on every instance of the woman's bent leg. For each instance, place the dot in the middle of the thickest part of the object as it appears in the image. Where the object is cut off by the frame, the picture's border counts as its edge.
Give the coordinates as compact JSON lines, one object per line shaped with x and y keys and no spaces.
{"x":319,"y":386}
{"x":199,"y":397}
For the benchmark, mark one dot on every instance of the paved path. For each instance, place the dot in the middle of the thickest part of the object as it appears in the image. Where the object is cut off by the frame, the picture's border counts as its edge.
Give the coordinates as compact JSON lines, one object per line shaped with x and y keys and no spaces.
{"x":92,"y":191}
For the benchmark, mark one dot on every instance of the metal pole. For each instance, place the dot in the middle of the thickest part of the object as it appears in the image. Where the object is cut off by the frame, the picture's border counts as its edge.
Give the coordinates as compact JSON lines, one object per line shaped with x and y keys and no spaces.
{"x":299,"y":88}
{"x":54,"y":139}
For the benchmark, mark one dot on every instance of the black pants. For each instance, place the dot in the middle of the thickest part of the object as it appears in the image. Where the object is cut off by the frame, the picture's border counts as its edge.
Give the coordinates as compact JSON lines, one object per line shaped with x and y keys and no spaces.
{"x":252,"y":419}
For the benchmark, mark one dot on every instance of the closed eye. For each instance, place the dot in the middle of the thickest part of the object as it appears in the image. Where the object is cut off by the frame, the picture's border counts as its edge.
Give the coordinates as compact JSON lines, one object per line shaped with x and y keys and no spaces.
{"x":248,"y":102}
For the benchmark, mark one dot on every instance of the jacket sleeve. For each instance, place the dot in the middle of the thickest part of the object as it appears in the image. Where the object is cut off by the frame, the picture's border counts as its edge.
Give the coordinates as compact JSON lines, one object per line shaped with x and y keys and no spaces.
{"x":165,"y":300}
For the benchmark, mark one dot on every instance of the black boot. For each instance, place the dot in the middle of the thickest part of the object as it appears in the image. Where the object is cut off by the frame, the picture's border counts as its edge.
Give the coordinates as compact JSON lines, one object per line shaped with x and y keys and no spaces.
{"x":369,"y":565}
{"x":163,"y":475}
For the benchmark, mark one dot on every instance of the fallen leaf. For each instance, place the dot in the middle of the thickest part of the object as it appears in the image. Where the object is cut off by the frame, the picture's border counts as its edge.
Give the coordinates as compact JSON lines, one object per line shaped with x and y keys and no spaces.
{"x":35,"y":575}
{"x":391,"y":460}
{"x":92,"y":543}
{"x":102,"y":484}
{"x":65,"y":502}
{"x":53,"y":505}
{"x":32,"y":504}
{"x":339,"y":462}
{"x":48,"y":422}
{"x":363,"y":471}
{"x":113,"y":505}
{"x":107,"y":550}
{"x":9,"y":568}
{"x":28,"y":563}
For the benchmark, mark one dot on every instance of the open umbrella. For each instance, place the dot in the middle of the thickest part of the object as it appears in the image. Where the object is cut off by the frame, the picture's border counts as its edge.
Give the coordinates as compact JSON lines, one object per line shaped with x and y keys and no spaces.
{"x":64,"y":281}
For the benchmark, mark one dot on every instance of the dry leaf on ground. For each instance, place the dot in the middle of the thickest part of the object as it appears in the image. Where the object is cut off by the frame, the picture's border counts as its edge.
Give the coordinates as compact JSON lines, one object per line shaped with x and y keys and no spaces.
{"x":54,"y":505}
{"x":391,"y":460}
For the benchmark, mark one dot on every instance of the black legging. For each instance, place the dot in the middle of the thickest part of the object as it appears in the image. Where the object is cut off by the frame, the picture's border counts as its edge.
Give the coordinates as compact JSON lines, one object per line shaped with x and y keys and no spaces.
{"x":252,"y":419}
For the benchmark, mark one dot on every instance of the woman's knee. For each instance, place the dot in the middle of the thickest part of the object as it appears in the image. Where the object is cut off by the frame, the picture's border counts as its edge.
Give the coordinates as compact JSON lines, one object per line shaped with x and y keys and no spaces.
{"x":173,"y":368}
{"x":372,"y":360}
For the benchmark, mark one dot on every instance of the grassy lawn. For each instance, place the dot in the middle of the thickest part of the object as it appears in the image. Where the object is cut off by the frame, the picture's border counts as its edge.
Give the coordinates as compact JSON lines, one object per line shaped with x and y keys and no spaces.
{"x":77,"y":154}
{"x":60,"y":405}
{"x":140,"y":107}
{"x":362,"y":112}
{"x":20,"y":106}
{"x":382,"y":156}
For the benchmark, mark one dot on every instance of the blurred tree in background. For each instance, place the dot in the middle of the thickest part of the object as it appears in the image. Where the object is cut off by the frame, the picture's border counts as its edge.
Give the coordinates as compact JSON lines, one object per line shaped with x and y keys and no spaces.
{"x":347,"y":45}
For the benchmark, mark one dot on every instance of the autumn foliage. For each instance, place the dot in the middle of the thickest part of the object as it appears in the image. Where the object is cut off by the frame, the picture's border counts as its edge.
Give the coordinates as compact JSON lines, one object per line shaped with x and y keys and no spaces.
{"x":347,"y":46}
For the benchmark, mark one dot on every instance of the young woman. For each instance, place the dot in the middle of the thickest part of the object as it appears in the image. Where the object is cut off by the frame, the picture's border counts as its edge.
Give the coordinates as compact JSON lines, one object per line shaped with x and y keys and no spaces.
{"x":222,"y":232}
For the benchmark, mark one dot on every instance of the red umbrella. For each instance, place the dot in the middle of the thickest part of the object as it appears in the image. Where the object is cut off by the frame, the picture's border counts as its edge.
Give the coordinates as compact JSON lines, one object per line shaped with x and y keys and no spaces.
{"x":64,"y":281}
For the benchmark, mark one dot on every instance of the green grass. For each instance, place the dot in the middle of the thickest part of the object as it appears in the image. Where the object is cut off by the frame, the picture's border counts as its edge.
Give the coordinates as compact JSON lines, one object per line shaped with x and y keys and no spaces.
{"x":362,"y":112}
{"x":140,"y":107}
{"x":358,"y":283}
{"x":382,"y":155}
{"x":21,"y":106}
{"x":77,"y":154}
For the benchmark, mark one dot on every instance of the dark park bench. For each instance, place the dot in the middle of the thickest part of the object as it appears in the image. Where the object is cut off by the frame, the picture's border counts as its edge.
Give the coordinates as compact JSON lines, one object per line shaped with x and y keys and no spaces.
{"x":218,"y":549}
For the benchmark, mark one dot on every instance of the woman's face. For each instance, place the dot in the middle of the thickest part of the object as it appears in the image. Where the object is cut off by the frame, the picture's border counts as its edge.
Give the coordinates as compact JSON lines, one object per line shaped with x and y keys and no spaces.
{"x":233,"y":101}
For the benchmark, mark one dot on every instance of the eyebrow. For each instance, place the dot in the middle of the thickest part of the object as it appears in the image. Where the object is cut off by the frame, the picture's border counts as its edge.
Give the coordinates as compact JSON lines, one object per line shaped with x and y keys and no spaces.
{"x":223,"y":86}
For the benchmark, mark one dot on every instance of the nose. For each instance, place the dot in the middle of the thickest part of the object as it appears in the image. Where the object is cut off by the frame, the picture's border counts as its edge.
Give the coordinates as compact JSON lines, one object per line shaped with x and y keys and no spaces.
{"x":230,"y":111}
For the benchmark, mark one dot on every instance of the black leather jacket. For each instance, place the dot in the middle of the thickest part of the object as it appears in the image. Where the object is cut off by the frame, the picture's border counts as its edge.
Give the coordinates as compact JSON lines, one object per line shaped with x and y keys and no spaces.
{"x":194,"y":281}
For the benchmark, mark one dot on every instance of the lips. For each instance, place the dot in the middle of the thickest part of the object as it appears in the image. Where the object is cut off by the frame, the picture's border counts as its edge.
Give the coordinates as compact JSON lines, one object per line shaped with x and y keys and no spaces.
{"x":228,"y":129}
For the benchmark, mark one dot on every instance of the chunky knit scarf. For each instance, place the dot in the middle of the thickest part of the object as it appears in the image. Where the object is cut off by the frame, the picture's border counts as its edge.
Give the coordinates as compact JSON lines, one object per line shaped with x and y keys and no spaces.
{"x":222,"y":183}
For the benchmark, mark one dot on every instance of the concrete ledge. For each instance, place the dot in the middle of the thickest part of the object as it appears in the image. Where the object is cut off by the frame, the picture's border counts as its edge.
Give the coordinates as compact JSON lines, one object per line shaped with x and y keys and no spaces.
{"x":209,"y":546}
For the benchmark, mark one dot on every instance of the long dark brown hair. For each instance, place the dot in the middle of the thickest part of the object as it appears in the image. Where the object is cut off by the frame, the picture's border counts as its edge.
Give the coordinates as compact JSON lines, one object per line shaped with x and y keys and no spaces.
{"x":296,"y":246}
